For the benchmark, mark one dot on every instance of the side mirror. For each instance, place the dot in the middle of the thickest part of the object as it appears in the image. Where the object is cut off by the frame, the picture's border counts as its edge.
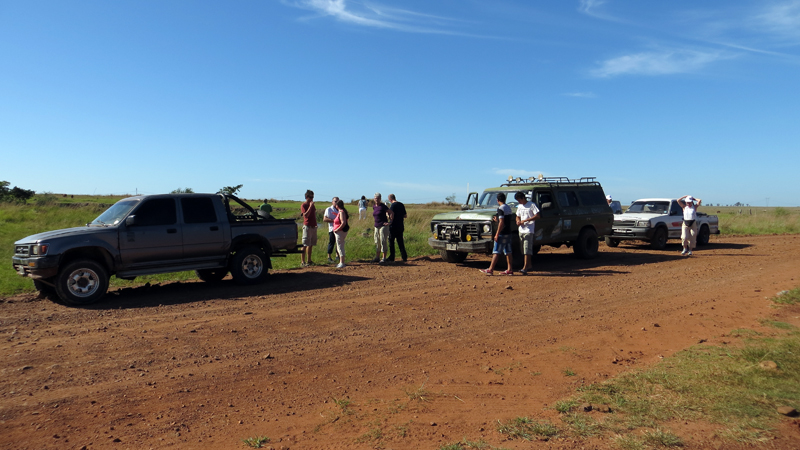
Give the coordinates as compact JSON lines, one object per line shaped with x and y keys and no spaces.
{"x":464,"y":207}
{"x":130,"y":221}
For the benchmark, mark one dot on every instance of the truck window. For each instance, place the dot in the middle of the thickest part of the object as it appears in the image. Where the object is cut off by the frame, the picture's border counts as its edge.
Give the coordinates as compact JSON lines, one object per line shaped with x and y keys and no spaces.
{"x":198,"y":210}
{"x":543,"y":197}
{"x":157,"y":211}
{"x":592,"y":197}
{"x":675,"y":209}
{"x":567,"y":198}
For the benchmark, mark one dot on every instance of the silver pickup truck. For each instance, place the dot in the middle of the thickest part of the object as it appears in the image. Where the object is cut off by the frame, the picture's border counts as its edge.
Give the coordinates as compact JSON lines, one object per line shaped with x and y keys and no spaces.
{"x":212,"y":234}
{"x":655,"y":220}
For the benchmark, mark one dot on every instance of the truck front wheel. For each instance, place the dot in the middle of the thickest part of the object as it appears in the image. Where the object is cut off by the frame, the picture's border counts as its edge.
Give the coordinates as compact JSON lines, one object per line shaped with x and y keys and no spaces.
{"x":659,"y":241}
{"x":247,"y":266}
{"x":611,"y":242}
{"x":81,"y":282}
{"x":586,"y":246}
{"x":453,"y":257}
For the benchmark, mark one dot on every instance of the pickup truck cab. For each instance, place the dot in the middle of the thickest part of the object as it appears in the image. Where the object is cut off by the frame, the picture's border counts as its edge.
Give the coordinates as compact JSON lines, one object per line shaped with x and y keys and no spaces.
{"x":656,"y":220}
{"x":212,"y":234}
{"x":572,"y":212}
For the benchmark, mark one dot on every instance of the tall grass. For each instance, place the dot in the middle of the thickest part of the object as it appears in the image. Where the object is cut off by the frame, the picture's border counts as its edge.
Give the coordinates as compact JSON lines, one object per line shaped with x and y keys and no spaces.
{"x":48,"y":212}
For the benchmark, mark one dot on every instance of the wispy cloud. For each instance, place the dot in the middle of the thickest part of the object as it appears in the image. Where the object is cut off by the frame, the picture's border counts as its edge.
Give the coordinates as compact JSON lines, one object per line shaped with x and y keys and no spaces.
{"x":580,"y":94}
{"x":375,"y":15}
{"x":658,"y":63}
{"x":781,"y":19}
{"x":591,"y":7}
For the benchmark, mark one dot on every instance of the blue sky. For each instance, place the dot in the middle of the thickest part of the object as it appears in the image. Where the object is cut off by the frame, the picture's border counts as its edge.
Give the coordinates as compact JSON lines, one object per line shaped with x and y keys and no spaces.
{"x":423,"y":99}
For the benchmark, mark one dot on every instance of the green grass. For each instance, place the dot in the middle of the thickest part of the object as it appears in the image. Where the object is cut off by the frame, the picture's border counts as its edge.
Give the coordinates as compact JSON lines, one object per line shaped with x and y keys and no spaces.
{"x":47,"y":212}
{"x":755,"y":220}
{"x":725,"y":386}
{"x":527,"y":429}
{"x":256,"y":441}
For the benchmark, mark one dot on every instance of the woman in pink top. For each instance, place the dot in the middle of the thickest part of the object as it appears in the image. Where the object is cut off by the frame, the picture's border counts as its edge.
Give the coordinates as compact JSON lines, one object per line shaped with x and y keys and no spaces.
{"x":340,"y":229}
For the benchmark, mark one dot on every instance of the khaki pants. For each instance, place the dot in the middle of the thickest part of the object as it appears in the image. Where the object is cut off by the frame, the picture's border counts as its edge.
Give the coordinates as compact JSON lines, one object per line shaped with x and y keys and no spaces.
{"x":689,"y":235}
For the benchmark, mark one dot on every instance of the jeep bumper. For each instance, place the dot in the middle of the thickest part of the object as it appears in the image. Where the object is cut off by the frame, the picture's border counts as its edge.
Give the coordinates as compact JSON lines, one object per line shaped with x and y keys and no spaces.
{"x":36,"y":267}
{"x":477,"y":246}
{"x":633,"y":233}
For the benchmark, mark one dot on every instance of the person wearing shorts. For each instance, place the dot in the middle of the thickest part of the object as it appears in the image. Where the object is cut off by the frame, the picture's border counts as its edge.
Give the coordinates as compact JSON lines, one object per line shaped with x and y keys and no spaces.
{"x":309,"y":213}
{"x":502,"y":239}
{"x":527,"y":213}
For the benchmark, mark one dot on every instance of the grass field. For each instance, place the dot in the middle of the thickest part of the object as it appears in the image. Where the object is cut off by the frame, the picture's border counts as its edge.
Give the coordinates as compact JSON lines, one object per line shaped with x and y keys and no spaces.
{"x":51,"y":212}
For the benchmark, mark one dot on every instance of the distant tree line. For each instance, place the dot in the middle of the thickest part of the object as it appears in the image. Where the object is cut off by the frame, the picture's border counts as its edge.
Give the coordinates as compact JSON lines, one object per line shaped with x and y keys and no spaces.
{"x":15,"y":194}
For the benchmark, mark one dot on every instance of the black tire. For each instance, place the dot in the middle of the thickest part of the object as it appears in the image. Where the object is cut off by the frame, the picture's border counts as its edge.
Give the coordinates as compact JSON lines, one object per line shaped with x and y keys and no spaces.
{"x":452,"y":256}
{"x":45,"y":290}
{"x":81,"y":282}
{"x":248,"y":266}
{"x":587,"y":245}
{"x":611,"y":242}
{"x":703,"y":236}
{"x":659,"y":241}
{"x":211,"y":275}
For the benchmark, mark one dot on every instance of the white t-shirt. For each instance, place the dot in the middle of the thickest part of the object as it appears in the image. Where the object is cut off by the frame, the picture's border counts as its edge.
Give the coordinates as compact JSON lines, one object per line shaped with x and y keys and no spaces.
{"x":527,"y":211}
{"x":690,"y":212}
{"x":331,"y":212}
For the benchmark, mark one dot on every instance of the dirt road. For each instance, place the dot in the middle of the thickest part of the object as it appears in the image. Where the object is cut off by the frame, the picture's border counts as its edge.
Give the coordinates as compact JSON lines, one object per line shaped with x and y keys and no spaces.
{"x":409,"y":356}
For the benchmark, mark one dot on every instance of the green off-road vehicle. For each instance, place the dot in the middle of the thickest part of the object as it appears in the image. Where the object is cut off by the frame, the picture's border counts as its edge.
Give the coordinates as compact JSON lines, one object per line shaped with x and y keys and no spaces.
{"x":572,"y":213}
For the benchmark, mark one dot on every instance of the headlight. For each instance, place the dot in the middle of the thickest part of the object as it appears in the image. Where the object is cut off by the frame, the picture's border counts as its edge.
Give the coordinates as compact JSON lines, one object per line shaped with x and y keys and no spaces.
{"x":643,"y":223}
{"x":40,"y":249}
{"x":487,"y":228}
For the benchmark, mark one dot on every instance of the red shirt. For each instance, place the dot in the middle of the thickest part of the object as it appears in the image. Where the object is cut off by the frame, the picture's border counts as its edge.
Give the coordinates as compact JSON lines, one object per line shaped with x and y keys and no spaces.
{"x":310,"y":219}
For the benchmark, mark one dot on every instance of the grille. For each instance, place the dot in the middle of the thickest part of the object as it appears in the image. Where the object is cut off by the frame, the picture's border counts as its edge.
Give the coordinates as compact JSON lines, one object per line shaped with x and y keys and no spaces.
{"x":624,"y":223}
{"x":459,"y":231}
{"x":22,"y":250}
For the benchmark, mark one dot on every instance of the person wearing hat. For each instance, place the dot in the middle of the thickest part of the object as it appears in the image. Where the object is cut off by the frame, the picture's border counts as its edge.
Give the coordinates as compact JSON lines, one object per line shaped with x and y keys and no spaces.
{"x":689,"y":227}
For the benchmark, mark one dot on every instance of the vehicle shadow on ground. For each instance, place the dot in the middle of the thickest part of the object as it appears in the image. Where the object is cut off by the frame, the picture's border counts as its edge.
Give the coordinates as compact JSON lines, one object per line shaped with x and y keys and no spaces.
{"x":677,"y":246}
{"x":181,"y":292}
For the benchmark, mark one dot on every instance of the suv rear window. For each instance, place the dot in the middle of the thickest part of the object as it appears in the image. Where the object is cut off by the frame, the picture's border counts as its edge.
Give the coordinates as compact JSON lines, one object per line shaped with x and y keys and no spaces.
{"x":592,"y":198}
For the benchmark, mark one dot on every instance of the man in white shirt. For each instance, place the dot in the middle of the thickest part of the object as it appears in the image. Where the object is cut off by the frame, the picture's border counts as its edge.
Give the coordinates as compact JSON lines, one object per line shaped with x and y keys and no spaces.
{"x":330,"y":215}
{"x":527,"y":213}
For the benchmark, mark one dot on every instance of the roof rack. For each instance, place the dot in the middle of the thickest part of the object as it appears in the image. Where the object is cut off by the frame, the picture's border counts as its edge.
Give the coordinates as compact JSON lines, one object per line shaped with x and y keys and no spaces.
{"x":550,"y":180}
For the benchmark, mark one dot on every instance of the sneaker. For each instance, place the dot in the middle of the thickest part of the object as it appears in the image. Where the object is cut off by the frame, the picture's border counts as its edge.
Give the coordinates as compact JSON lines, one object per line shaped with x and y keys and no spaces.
{"x":330,"y":261}
{"x":507,"y":272}
{"x":302,"y":264}
{"x":523,"y":272}
{"x":340,"y":266}
{"x":486,"y":271}
{"x":375,"y":259}
{"x":690,"y":253}
{"x":683,"y":252}
{"x":383,"y":261}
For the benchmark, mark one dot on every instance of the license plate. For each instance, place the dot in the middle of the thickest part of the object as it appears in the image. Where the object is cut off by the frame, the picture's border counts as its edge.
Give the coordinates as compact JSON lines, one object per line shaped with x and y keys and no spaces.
{"x":452,"y":246}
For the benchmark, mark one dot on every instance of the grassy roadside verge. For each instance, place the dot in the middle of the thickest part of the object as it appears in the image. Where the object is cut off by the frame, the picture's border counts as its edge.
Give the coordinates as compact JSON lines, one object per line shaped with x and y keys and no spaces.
{"x":737,"y":390}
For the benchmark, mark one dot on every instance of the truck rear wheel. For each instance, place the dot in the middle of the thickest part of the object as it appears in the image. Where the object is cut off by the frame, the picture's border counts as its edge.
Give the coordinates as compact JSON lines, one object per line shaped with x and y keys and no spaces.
{"x":211,"y":275}
{"x":587,"y":245}
{"x":81,"y":282}
{"x":611,"y":242}
{"x":659,"y":241}
{"x":703,"y":236}
{"x":248,"y":267}
{"x":452,"y":256}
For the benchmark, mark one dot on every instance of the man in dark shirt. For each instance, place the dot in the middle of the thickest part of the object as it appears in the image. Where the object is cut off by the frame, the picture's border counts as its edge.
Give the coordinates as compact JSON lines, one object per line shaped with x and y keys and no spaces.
{"x":396,"y":228}
{"x":502,"y":239}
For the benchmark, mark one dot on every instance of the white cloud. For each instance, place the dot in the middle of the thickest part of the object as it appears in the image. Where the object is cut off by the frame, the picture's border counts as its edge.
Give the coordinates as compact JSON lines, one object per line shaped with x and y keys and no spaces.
{"x":782,"y":19}
{"x":378,"y":16}
{"x":590,"y":7}
{"x":658,"y":63}
{"x":581,"y":94}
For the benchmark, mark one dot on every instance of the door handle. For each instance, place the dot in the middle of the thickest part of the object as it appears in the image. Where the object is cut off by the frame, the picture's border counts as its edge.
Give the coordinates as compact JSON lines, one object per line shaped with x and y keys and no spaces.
{"x":172,"y":230}
{"x":214,"y":228}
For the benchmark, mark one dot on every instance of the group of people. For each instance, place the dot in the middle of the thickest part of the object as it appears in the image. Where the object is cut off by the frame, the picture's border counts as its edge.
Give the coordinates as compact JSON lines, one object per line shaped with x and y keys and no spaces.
{"x":389,"y":227}
{"x":527,"y":213}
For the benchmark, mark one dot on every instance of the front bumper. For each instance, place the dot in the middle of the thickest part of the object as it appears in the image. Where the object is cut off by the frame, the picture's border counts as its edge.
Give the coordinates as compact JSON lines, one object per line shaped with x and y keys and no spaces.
{"x":36,"y":267}
{"x":633,"y":233}
{"x":476,"y":246}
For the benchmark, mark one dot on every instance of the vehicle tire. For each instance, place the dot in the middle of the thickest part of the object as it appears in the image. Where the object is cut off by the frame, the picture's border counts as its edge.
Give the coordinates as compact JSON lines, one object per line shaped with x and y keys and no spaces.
{"x":248,"y":266}
{"x":703,"y":235}
{"x":659,"y":241}
{"x":81,"y":282}
{"x":45,"y":290}
{"x":587,"y":244}
{"x":211,"y":275}
{"x":611,"y":242}
{"x":453,"y":257}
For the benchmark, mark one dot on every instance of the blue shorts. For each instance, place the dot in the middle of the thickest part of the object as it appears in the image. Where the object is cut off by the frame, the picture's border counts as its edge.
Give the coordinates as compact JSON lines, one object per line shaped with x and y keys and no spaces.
{"x":503,"y":244}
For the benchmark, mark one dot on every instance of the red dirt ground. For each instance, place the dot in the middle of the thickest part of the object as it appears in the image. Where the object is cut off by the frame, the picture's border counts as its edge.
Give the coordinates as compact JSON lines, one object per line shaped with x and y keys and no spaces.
{"x":194,"y":365}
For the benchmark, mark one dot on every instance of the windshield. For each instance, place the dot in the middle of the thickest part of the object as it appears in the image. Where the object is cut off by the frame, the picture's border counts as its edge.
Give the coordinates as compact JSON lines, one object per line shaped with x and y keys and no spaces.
{"x":648,"y":207}
{"x":115,"y":214}
{"x":489,"y":199}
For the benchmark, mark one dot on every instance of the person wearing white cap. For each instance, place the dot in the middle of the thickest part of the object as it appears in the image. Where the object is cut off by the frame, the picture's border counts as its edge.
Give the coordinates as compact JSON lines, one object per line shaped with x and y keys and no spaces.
{"x":689,"y":227}
{"x":609,"y":199}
